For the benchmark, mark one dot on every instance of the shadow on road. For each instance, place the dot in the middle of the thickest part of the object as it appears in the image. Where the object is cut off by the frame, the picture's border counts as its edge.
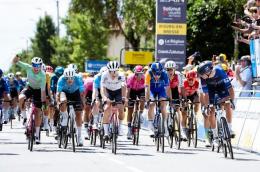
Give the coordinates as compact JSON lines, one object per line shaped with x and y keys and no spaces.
{"x":246,"y":159}
{"x":8,"y":154}
{"x":133,"y":154}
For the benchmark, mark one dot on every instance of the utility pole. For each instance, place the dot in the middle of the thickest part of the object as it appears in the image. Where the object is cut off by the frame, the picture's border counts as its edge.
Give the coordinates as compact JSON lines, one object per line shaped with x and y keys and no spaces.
{"x":58,"y":18}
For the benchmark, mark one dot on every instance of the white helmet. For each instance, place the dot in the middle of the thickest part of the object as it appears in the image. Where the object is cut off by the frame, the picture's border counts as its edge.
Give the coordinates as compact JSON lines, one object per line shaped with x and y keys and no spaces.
{"x":113,"y":66}
{"x":43,"y":67}
{"x":170,"y":65}
{"x":103,"y":69}
{"x":10,"y":75}
{"x":69,"y":73}
{"x":73,"y":66}
{"x":37,"y":60}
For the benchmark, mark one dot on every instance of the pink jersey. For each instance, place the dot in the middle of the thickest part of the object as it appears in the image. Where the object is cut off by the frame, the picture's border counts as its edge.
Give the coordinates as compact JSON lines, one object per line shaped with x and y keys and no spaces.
{"x":88,"y":85}
{"x":134,"y":83}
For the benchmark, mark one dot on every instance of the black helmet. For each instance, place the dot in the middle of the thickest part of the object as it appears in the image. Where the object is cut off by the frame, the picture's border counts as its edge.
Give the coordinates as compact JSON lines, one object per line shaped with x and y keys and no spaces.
{"x":205,"y":67}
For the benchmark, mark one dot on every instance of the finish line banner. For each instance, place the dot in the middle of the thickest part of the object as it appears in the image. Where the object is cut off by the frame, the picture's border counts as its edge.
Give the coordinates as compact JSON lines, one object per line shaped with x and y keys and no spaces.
{"x":171,"y":31}
{"x":255,"y":57}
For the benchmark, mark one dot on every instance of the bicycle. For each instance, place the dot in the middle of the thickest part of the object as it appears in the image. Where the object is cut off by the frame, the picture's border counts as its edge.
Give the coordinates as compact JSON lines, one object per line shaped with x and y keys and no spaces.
{"x":192,"y":124}
{"x":174,"y":126}
{"x":30,"y":128}
{"x":136,"y":122}
{"x":11,"y":113}
{"x":69,"y":131}
{"x":224,"y":137}
{"x":113,"y":128}
{"x":1,"y":116}
{"x":158,"y":123}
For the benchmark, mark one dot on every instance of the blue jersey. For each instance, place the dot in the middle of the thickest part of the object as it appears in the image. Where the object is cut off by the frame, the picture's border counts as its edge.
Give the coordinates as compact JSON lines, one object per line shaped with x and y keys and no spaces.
{"x":13,"y":85}
{"x":3,"y":87}
{"x":22,"y":84}
{"x":77,"y":84}
{"x":97,"y":81}
{"x":219,"y":82}
{"x":157,"y":85}
{"x":54,"y":82}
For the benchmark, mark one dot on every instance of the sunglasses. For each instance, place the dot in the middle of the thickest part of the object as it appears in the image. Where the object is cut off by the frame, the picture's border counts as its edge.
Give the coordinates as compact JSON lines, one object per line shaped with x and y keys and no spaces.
{"x":69,"y":78}
{"x":36,"y":65}
{"x":113,"y":72}
{"x":169,"y":70}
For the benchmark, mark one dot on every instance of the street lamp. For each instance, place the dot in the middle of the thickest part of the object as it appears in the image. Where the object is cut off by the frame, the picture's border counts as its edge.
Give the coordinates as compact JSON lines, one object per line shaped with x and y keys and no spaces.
{"x":58,"y":18}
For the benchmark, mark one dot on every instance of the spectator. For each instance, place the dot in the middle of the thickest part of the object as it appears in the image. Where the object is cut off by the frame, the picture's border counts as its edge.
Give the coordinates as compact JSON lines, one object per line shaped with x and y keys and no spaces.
{"x":243,"y":78}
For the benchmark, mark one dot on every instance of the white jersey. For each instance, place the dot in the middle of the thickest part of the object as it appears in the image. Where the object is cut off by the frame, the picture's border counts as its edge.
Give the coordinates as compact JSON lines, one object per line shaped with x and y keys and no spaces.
{"x":112,"y":84}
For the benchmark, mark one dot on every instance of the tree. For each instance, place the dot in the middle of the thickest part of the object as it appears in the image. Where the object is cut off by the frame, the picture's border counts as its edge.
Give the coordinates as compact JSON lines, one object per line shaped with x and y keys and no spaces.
{"x":209,"y":28}
{"x":41,"y":43}
{"x":134,"y":19}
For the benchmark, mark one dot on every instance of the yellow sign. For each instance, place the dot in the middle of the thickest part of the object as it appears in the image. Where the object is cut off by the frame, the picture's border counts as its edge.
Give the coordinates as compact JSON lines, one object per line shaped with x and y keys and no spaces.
{"x":138,"y":57}
{"x":171,"y":29}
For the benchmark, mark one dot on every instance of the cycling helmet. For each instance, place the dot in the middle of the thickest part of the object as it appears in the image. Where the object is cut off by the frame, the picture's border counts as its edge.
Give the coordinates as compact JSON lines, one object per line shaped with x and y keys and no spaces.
{"x":73,"y":66}
{"x":113,"y":66}
{"x":69,"y":73}
{"x":49,"y":69}
{"x":59,"y":70}
{"x":1,"y":73}
{"x":170,"y":65}
{"x":191,"y":74}
{"x":205,"y":67}
{"x":18,"y":73}
{"x":43,"y":67}
{"x":103,"y":69}
{"x":37,"y":61}
{"x":10,"y":75}
{"x":156,"y":68}
{"x":138,"y":69}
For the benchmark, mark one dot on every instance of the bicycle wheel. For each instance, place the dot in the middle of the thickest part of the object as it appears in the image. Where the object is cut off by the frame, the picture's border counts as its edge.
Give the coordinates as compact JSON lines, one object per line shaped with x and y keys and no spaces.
{"x":72,"y":134}
{"x":161,"y":135}
{"x":32,"y":134}
{"x":65,"y":137}
{"x":189,"y":134}
{"x":177,"y":132}
{"x":60,"y":135}
{"x":227,"y":138}
{"x":194,"y":132}
{"x":114,"y":143}
{"x":95,"y":132}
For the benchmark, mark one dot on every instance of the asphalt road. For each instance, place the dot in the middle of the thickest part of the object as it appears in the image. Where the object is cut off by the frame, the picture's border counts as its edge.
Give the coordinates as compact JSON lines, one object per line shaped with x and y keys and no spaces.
{"x":47,"y":157}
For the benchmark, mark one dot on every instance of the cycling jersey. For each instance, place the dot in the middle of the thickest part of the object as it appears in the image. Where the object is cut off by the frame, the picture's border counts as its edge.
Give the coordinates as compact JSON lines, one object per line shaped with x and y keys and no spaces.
{"x":65,"y":87}
{"x":3,"y":88}
{"x":191,"y":89}
{"x":21,"y":84}
{"x":14,"y":87}
{"x":97,"y":81}
{"x":156,"y":85}
{"x":176,"y":80}
{"x":35,"y":81}
{"x":217,"y":86}
{"x":112,"y":84}
{"x":48,"y":79}
{"x":157,"y":88}
{"x":134,"y":83}
{"x":54,"y":82}
{"x":88,"y":85}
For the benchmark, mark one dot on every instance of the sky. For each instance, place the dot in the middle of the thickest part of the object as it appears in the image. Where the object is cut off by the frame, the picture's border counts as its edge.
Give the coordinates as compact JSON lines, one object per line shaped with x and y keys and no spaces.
{"x":18,"y":24}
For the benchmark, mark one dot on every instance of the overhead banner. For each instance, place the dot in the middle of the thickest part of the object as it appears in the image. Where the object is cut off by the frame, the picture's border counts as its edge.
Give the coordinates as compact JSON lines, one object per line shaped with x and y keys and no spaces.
{"x":138,"y":57}
{"x":171,"y":31}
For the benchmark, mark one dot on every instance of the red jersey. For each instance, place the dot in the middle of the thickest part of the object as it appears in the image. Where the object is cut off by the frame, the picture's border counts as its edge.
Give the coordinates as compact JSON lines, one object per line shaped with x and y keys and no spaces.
{"x":190,"y":90}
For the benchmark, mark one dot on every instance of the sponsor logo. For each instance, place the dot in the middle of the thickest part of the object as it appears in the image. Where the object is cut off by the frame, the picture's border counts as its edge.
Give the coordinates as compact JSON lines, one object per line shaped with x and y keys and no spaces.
{"x":171,"y":42}
{"x":178,"y":1}
{"x":171,"y":12}
{"x":176,"y":52}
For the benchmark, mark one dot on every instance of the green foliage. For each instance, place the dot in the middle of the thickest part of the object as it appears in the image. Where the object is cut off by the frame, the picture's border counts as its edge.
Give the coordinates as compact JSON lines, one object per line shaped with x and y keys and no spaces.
{"x":41,"y":43}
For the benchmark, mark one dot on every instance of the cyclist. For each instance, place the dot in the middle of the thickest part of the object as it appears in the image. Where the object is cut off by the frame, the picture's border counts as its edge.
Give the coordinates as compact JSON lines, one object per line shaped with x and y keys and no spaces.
{"x":53,"y":87}
{"x":88,"y":90}
{"x":4,"y":95}
{"x":113,"y":87}
{"x":157,"y":86}
{"x":96,"y":99}
{"x":35,"y":89}
{"x":135,"y":89}
{"x":191,"y":88}
{"x":70,"y":87}
{"x":14,"y":92}
{"x":176,"y":89}
{"x":21,"y":82}
{"x":217,"y":88}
